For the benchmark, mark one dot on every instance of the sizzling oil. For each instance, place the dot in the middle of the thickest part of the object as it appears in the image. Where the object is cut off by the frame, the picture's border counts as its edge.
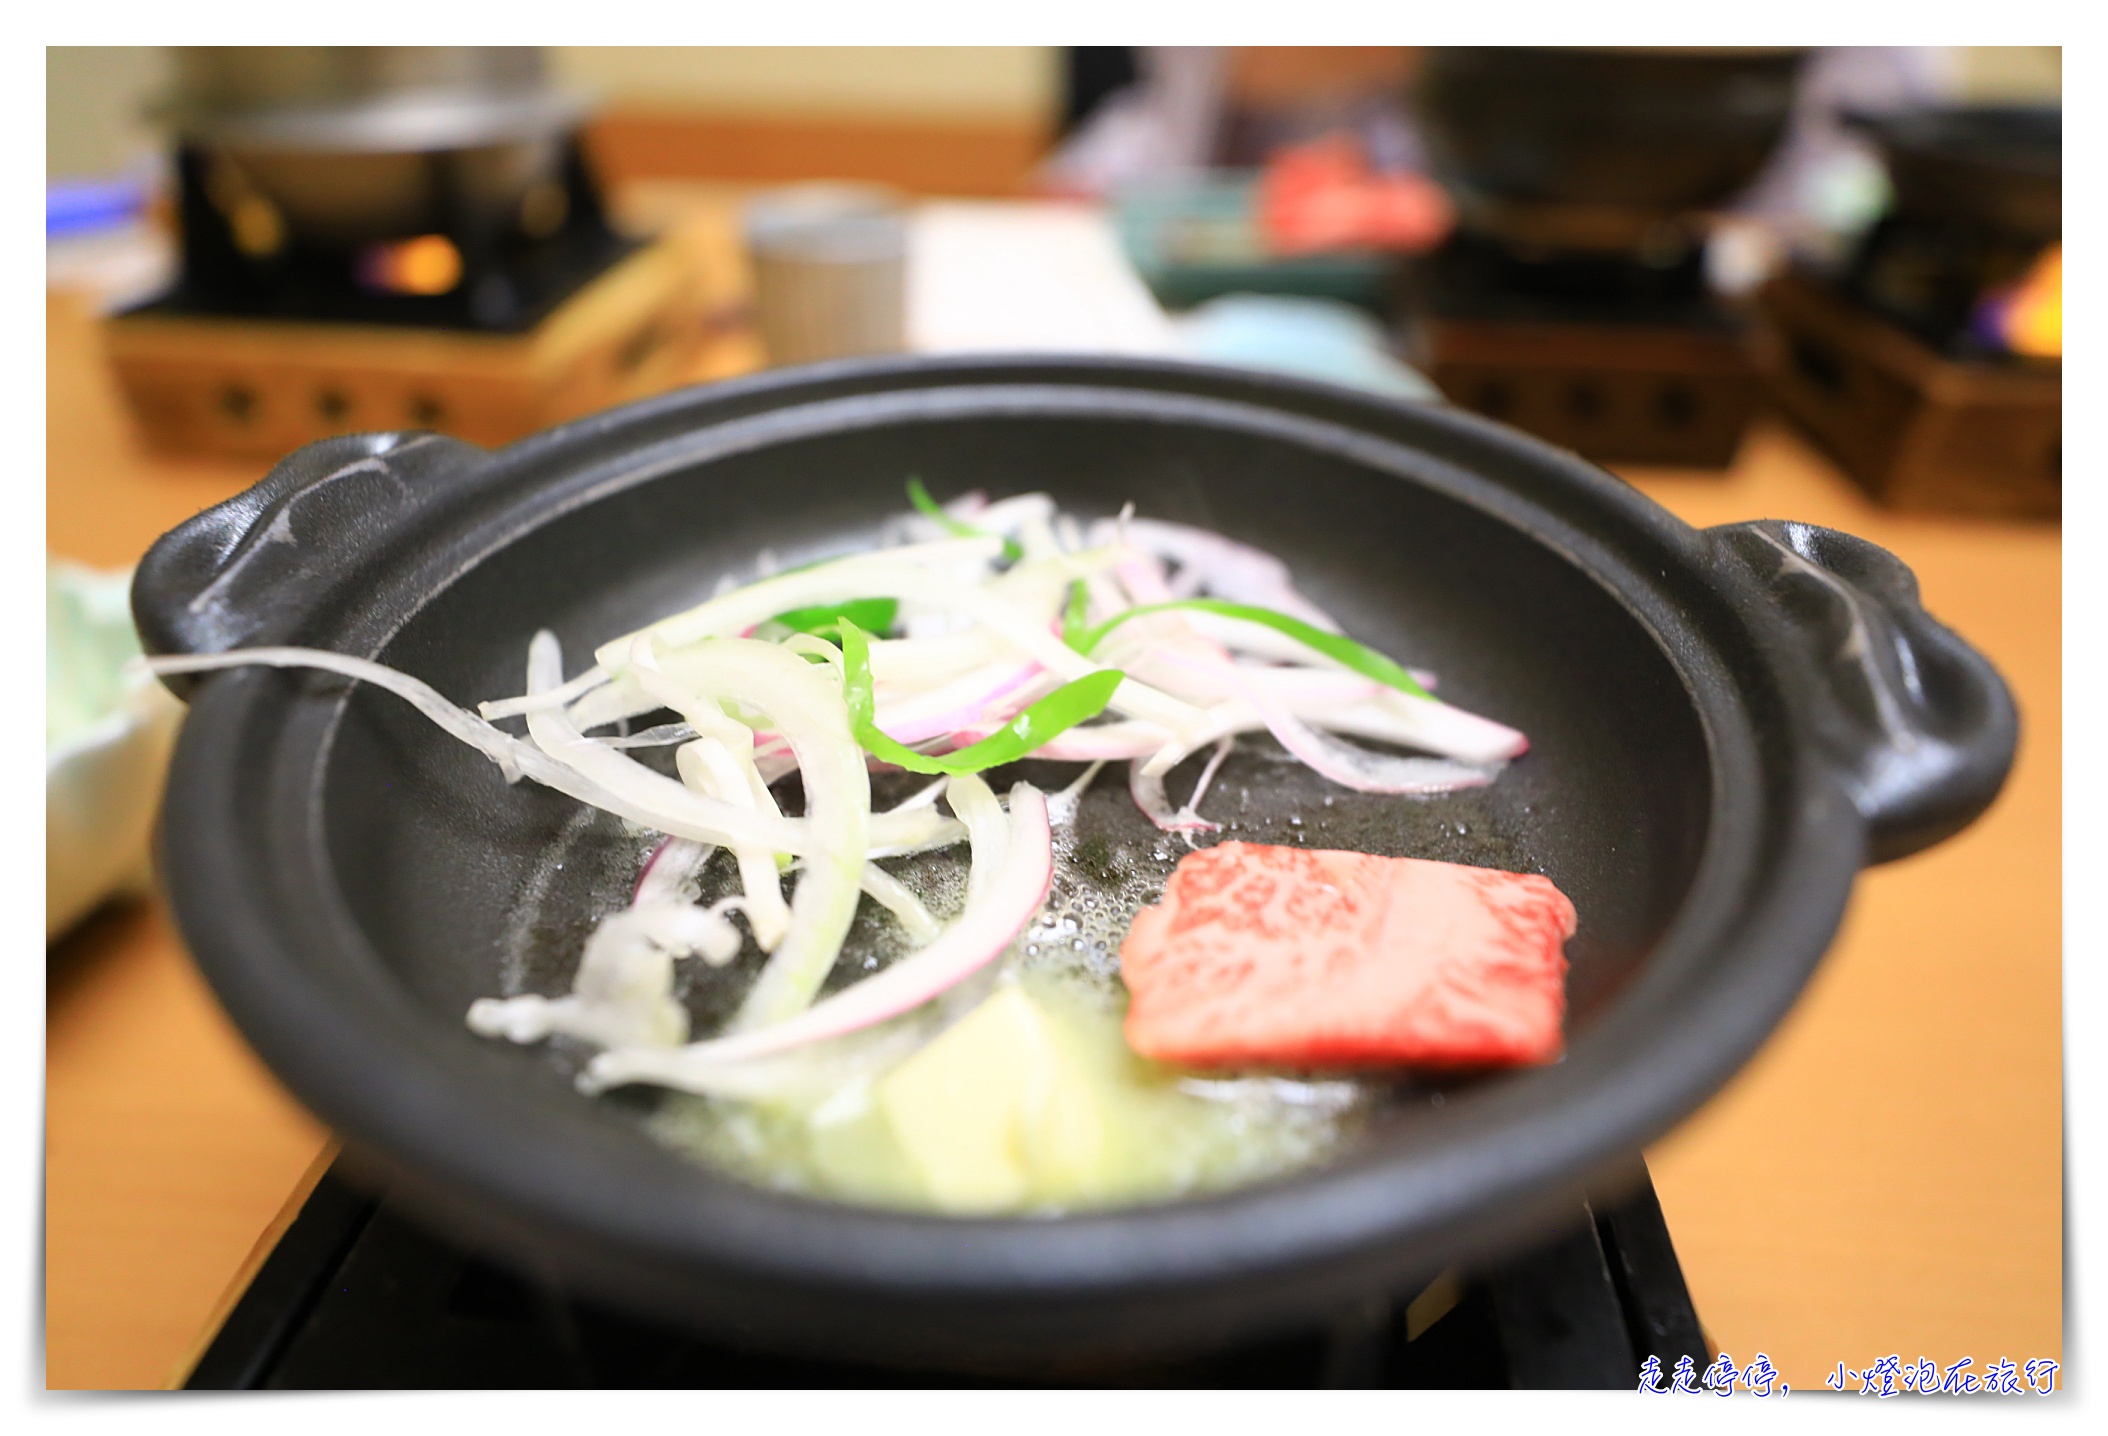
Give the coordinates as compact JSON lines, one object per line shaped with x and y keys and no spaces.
{"x":1185,"y":1132}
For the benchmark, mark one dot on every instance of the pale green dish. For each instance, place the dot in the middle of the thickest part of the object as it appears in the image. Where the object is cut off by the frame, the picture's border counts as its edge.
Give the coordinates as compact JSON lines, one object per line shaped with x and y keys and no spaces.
{"x":107,"y":735}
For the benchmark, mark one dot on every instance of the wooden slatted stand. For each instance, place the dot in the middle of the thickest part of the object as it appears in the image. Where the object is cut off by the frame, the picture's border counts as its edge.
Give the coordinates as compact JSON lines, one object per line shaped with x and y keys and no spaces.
{"x":1916,"y":430}
{"x":258,"y":388}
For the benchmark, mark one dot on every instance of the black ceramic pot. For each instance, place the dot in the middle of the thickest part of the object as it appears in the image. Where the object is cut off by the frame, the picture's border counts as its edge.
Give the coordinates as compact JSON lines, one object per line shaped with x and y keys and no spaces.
{"x":1726,"y":726}
{"x":1994,"y":168}
{"x":1978,"y":195}
{"x":1595,"y":148}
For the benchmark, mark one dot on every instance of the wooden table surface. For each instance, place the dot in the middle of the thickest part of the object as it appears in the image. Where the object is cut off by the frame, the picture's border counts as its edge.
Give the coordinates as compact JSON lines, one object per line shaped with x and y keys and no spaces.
{"x":1884,"y":1178}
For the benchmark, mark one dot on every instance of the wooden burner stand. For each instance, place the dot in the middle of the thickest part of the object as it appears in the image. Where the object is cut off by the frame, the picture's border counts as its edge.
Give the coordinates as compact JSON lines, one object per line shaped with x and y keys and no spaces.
{"x":1913,"y":428}
{"x":1679,"y":394}
{"x":261,"y":388}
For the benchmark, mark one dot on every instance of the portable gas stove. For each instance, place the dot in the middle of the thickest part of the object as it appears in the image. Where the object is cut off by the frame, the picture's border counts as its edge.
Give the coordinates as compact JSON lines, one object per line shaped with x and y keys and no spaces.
{"x":1895,"y":362}
{"x":1916,"y":425}
{"x":355,"y":1295}
{"x":391,"y":237}
{"x":1572,"y":302}
{"x":1623,"y":358}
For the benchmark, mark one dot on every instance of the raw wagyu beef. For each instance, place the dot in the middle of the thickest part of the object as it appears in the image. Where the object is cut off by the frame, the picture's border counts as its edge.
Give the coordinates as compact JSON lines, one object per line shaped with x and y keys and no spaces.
{"x":1285,"y":956}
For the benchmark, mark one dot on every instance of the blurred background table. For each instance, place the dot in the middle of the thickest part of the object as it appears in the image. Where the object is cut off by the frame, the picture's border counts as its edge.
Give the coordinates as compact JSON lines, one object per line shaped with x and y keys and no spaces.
{"x":1885,"y":1177}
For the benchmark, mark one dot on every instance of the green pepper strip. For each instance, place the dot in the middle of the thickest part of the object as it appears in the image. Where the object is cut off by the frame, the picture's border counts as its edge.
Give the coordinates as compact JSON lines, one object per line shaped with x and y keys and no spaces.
{"x":958,"y":528}
{"x":873,"y":614}
{"x":1345,"y":651}
{"x":1075,"y":621}
{"x":1049,"y":718}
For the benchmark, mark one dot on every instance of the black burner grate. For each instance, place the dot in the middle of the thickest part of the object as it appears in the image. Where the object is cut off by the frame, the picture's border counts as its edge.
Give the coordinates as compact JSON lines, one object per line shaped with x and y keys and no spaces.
{"x":509,"y":281}
{"x":357,"y":1297}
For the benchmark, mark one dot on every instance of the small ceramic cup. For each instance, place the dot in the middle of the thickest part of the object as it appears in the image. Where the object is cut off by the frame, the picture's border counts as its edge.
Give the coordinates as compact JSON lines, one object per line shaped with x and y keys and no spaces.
{"x":830,"y":271}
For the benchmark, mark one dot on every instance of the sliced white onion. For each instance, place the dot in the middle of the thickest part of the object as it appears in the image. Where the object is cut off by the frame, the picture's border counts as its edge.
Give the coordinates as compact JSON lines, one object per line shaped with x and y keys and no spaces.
{"x":1061,"y":808}
{"x":978,"y":937}
{"x":623,"y":993}
{"x":494,"y":743}
{"x":922,"y":797}
{"x":911,"y":665}
{"x":687,"y":817}
{"x":1326,"y":701}
{"x":882,"y":576}
{"x":986,"y":829}
{"x":870,"y":575}
{"x":1015,"y":516}
{"x":612,"y":702}
{"x":652,"y":798}
{"x":665,"y":735}
{"x":1360,"y":769}
{"x":1142,"y":575}
{"x":1208,"y":771}
{"x":804,"y":703}
{"x":1132,"y":698}
{"x":897,"y":898}
{"x":560,"y":696}
{"x":912,"y":830}
{"x":708,"y":766}
{"x":1147,"y":790}
{"x":891,"y":834}
{"x":1346,"y":703}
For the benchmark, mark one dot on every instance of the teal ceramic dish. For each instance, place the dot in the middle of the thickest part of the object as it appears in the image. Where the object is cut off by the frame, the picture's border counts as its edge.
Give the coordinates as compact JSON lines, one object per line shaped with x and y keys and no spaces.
{"x":1196,"y":239}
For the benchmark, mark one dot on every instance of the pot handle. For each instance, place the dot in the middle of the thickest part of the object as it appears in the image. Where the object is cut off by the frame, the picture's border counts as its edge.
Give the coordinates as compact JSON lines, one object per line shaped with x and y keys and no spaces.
{"x":1921,"y":722}
{"x":246,"y":572}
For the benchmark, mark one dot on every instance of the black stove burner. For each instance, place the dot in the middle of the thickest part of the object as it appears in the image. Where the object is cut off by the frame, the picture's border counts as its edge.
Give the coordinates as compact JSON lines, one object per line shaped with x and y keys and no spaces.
{"x":1476,"y":277}
{"x":355,"y":1296}
{"x":1482,"y":277}
{"x":1928,"y":277}
{"x":1619,"y":357}
{"x":508,"y":281}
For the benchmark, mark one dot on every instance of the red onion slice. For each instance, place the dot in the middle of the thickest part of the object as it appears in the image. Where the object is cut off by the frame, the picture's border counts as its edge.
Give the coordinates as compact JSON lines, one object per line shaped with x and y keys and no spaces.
{"x":1097,"y":743}
{"x":1359,"y":768}
{"x":1222,"y":566}
{"x":673,"y":865}
{"x":990,"y":695}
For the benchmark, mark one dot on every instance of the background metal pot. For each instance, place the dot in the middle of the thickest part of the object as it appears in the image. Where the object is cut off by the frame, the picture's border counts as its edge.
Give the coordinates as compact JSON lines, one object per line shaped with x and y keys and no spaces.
{"x":356,"y":144}
{"x":1578,"y":148}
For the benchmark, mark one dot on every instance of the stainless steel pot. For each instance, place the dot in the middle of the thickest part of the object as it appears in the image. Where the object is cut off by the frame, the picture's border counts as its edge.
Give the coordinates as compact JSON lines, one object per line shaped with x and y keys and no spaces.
{"x":358,"y":144}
